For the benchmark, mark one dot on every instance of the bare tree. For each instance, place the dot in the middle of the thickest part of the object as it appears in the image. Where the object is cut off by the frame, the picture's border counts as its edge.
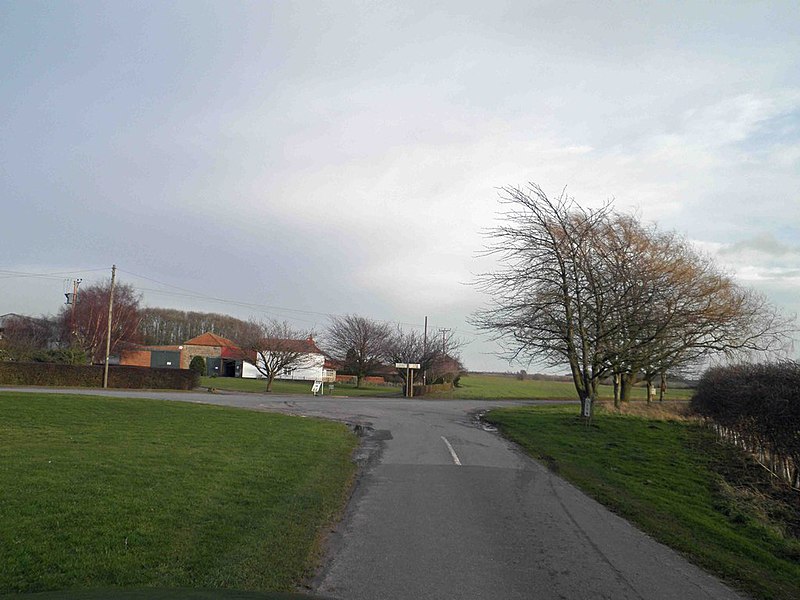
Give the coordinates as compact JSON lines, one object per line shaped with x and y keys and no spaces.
{"x":277,"y":346}
{"x":91,"y":319}
{"x":607,"y":295}
{"x":167,"y":326}
{"x":673,"y":306}
{"x":359,"y":342}
{"x":546,"y":304}
{"x":439,"y":358}
{"x":21,"y":337}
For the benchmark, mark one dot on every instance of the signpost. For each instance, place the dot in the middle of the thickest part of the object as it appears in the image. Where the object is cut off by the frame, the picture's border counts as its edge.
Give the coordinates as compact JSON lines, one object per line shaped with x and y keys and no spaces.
{"x":410,"y":368}
{"x":315,"y":389}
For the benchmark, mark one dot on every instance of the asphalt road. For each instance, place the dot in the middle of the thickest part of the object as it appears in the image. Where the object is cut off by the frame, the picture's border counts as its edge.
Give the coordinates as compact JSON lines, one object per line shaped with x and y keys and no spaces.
{"x":446,"y":509}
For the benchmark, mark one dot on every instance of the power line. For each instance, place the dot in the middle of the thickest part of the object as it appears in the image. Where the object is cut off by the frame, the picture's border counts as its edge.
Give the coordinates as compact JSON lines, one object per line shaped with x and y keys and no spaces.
{"x":195,"y":295}
{"x":187,"y":293}
{"x":7,"y":274}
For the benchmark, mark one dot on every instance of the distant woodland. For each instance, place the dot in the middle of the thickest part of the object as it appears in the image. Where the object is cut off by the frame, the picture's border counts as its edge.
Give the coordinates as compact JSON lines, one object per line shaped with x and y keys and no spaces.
{"x":169,"y":326}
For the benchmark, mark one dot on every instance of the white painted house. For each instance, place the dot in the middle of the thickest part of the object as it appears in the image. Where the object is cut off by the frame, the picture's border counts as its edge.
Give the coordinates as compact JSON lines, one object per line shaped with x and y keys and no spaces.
{"x":311,"y":366}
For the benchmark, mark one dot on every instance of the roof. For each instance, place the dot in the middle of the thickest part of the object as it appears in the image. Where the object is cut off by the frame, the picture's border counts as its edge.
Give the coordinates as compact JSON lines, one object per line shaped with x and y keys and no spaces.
{"x":210,"y":339}
{"x":307,"y":345}
{"x":141,"y":347}
{"x":7,"y":316}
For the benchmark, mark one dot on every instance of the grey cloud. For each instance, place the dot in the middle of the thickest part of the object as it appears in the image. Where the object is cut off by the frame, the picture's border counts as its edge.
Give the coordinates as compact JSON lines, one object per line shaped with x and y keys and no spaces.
{"x":765,"y":243}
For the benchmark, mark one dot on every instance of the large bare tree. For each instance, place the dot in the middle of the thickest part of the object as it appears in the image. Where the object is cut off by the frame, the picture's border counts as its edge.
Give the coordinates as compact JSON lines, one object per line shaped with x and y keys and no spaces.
{"x":672,"y":305}
{"x":277,"y":346}
{"x":359,"y":342}
{"x":546,"y":305}
{"x":88,"y":326}
{"x":606,"y":295}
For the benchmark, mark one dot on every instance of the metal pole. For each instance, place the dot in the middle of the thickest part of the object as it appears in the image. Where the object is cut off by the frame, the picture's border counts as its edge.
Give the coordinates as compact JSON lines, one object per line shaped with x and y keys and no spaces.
{"x":108,"y":334}
{"x":411,"y":383}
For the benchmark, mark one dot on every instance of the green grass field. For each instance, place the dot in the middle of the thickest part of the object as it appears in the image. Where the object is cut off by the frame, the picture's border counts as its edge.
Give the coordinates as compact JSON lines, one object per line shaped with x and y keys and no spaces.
{"x":295,"y":387}
{"x":664,"y":476}
{"x":474,"y":386}
{"x":102,"y":492}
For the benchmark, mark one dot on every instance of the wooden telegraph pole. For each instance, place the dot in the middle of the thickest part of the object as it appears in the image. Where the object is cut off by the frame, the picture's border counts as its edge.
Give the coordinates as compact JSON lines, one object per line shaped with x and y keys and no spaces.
{"x":108,"y":334}
{"x":425,"y":352}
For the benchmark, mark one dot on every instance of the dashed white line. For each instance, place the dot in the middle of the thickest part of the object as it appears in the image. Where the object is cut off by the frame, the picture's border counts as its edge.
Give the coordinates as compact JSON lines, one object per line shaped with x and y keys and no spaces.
{"x":452,"y":452}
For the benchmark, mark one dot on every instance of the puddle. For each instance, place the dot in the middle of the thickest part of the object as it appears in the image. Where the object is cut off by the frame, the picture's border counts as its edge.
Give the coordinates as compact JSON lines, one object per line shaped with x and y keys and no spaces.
{"x":479,"y":422}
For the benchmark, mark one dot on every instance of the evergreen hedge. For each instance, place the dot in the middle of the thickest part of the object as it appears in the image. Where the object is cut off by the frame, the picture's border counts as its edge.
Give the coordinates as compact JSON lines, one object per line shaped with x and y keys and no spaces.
{"x":51,"y":374}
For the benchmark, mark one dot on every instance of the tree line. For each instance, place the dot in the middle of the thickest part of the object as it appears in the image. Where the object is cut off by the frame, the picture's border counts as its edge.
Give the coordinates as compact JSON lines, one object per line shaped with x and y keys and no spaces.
{"x":611,"y":297}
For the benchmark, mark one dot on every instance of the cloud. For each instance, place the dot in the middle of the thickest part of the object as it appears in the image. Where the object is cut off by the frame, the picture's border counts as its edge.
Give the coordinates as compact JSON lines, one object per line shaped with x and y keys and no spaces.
{"x":761,"y":260}
{"x":763,"y":244}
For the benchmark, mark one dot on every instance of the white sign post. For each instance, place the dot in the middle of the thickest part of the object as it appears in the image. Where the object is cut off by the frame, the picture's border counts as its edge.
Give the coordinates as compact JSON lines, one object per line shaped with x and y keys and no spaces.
{"x":410,"y":368}
{"x":316,"y":387}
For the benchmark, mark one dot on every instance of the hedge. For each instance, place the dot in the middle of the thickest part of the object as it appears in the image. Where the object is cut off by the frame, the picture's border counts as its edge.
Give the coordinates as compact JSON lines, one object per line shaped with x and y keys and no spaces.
{"x":756,"y":406}
{"x":50,"y":374}
{"x":434,"y":388}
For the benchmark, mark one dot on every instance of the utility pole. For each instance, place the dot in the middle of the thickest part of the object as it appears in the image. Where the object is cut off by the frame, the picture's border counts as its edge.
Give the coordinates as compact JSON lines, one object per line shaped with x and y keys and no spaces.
{"x":444,"y":339}
{"x":75,"y":284}
{"x":110,"y":312}
{"x":425,"y":352}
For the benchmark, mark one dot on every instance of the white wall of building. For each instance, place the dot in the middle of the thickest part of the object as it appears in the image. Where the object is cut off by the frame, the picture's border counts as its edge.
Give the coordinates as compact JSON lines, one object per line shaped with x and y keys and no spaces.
{"x":311,"y":368}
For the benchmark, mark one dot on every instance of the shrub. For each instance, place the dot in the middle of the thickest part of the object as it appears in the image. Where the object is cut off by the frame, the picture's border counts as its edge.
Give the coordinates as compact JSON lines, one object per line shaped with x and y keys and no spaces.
{"x":758,"y":407}
{"x":62,"y":356}
{"x":198,"y":365}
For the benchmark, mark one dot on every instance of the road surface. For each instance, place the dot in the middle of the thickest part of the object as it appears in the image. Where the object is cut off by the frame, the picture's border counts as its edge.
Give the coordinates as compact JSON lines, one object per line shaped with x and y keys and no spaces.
{"x":447,"y":509}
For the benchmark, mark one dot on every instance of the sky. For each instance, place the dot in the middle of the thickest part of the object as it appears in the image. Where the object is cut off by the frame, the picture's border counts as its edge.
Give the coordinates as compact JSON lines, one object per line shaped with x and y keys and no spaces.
{"x":293,"y":160}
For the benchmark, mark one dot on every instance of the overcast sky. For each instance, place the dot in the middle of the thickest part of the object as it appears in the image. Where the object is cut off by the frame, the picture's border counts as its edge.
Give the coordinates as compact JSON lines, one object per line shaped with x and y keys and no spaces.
{"x":342,"y":157}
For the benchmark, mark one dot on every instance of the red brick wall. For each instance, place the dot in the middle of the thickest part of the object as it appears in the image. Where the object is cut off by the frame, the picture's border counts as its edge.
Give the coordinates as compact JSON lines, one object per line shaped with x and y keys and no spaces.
{"x":189,"y":352}
{"x":135,"y":358}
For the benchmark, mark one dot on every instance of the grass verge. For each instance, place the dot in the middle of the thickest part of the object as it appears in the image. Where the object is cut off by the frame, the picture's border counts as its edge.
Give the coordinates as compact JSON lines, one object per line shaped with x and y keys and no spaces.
{"x":678,"y":484}
{"x":280,"y":386}
{"x":100,"y":492}
{"x":473,"y":386}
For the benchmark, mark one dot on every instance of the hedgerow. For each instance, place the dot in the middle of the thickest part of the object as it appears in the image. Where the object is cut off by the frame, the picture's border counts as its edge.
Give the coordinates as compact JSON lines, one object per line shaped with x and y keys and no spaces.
{"x":756,"y":406}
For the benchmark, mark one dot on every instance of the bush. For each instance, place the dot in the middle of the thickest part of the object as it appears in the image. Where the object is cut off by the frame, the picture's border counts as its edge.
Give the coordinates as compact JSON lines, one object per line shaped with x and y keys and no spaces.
{"x":198,"y":365}
{"x":434,"y":388}
{"x":61,"y":356}
{"x":757,"y":406}
{"x":51,"y":374}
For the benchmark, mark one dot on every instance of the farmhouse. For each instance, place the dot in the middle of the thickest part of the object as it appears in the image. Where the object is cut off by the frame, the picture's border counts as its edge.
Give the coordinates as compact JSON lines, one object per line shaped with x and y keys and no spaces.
{"x":224,"y":358}
{"x":311,"y":366}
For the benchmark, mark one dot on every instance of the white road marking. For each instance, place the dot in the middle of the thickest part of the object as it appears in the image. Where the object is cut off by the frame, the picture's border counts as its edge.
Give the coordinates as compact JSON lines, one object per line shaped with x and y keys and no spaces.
{"x":452,"y":452}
